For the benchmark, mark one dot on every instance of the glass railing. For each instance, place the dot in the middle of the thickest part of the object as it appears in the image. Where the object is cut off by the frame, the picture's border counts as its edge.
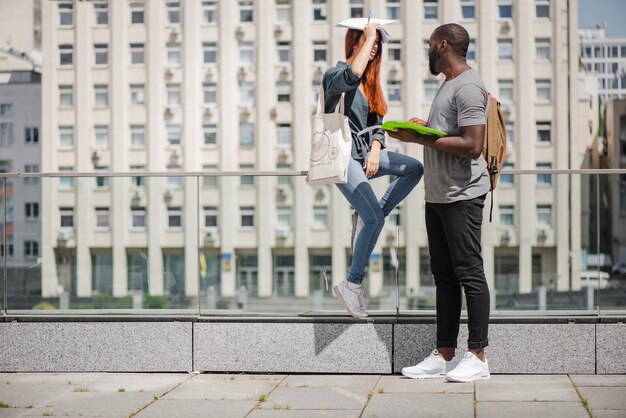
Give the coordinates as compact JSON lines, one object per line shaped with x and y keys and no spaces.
{"x":248,"y":243}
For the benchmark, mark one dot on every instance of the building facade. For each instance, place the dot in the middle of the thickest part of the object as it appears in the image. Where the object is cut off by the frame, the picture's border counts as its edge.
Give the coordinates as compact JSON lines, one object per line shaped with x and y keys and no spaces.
{"x":202,"y":86}
{"x":606,"y":58}
{"x":20,"y":151}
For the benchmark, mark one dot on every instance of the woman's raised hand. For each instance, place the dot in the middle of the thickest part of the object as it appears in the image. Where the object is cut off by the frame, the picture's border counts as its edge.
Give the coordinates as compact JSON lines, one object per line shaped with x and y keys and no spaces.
{"x":370,"y":30}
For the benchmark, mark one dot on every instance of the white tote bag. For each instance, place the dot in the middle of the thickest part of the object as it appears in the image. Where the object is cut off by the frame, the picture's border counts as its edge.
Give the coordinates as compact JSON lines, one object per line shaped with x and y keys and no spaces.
{"x":331,"y":145}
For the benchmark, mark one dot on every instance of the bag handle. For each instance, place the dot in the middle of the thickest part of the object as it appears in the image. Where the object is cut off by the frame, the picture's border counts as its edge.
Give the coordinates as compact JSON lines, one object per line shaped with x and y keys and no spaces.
{"x":340,"y":108}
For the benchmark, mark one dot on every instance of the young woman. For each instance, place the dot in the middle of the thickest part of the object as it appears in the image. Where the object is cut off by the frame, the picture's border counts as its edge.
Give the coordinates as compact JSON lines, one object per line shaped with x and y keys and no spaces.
{"x":359,"y":78}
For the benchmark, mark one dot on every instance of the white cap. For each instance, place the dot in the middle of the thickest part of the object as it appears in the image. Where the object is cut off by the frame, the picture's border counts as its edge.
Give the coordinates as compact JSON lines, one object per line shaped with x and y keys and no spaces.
{"x":360,"y":22}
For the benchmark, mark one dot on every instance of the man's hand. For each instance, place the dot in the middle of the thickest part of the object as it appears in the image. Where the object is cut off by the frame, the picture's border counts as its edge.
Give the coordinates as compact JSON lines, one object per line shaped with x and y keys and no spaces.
{"x":404,"y":135}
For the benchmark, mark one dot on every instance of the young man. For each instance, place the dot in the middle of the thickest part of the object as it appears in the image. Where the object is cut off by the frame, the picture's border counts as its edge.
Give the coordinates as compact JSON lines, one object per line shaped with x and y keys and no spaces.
{"x":456,"y":182}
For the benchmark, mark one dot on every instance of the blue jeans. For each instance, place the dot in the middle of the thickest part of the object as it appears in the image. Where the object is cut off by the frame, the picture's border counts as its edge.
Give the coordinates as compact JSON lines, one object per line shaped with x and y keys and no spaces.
{"x":359,"y":193}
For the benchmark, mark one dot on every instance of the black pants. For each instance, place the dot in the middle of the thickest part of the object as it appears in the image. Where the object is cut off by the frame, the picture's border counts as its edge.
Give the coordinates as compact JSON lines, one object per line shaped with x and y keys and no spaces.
{"x":455,"y":260}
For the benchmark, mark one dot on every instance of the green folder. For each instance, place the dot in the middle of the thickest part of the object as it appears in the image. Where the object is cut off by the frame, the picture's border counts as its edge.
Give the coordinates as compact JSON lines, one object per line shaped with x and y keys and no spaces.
{"x":390,"y":125}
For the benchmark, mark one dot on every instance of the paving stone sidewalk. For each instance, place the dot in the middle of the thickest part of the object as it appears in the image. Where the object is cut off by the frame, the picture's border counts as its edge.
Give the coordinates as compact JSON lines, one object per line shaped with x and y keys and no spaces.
{"x":281,"y":396}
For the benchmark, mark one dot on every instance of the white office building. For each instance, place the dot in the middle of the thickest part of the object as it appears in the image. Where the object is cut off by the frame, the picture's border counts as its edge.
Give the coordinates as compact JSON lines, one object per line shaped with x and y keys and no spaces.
{"x":225,"y":85}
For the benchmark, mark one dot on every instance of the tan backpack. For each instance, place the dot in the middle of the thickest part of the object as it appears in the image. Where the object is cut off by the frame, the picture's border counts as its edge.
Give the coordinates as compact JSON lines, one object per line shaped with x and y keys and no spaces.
{"x":494,"y":147}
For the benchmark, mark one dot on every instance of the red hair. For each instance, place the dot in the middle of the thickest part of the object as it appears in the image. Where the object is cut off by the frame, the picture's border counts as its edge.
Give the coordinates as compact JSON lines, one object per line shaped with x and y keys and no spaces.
{"x":371,"y":76}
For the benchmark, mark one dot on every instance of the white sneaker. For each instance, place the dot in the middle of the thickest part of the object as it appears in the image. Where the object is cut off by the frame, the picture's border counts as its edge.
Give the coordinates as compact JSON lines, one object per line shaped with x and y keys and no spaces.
{"x":352,"y":296}
{"x":432,"y":367}
{"x":470,"y":369}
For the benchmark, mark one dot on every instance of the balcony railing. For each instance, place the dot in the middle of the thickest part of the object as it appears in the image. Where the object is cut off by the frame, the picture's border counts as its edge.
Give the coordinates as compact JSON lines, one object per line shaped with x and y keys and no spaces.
{"x":243,"y":243}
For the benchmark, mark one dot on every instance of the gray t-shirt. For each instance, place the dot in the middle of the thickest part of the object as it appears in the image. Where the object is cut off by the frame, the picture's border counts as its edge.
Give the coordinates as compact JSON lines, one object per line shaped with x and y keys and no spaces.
{"x":447,"y":178}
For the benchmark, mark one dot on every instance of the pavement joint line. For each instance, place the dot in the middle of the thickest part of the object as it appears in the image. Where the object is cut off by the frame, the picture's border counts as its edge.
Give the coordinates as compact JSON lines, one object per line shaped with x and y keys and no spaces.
{"x":132,"y":414}
{"x":256,"y":406}
{"x":475,"y":403}
{"x":583,"y":401}
{"x":370,"y":395}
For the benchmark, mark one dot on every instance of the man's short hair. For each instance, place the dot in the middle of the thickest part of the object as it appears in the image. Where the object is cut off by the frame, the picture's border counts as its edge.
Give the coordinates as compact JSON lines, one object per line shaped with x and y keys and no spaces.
{"x":456,"y":35}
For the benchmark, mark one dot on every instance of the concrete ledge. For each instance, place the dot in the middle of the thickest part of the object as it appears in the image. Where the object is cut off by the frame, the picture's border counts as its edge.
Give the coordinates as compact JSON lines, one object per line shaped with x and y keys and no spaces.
{"x":95,"y":346}
{"x":293,"y":348}
{"x":337,"y":344}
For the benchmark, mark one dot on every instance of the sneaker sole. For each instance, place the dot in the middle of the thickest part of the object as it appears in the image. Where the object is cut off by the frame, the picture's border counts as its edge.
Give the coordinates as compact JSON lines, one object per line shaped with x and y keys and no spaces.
{"x":424,"y":376}
{"x":469,"y":379}
{"x":345,"y":305}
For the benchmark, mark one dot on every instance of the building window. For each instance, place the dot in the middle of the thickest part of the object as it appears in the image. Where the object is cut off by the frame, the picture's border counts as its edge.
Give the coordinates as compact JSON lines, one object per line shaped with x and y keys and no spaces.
{"x":136,"y":13}
{"x":138,"y":215}
{"x":174,"y":182}
{"x":283,"y":11}
{"x":356,"y":8}
{"x":210,"y":217}
{"x":173,"y":13}
{"x":101,"y":10}
{"x":507,"y":215}
{"x":137,"y":53}
{"x":394,"y":10}
{"x":210,"y":134}
{"x":31,"y":248}
{"x":246,"y":54}
{"x":246,"y":134}
{"x":66,"y":96}
{"x":431,"y":9}
{"x":173,"y":94}
{"x":209,"y":52}
{"x":544,"y":132}
{"x":174,"y":217}
{"x":316,"y":91}
{"x":209,"y":12}
{"x":101,"y":136}
{"x":283,"y":91}
{"x":395,"y":217}
{"x":102,"y":182}
{"x":246,"y":11}
{"x":319,"y":51}
{"x":284,"y":52}
{"x":505,"y":9}
{"x":247,"y":216}
{"x":471,"y":50}
{"x":137,"y":136}
{"x":101,"y":93}
{"x":6,"y":134}
{"x":505,"y":49}
{"x":468,"y":9}
{"x":430,"y":89}
{"x":507,"y":179}
{"x":510,"y":134}
{"x":394,"y":51}
{"x":210,"y":93}
{"x":246,"y":180}
{"x":173,"y":135}
{"x":320,"y":217}
{"x":173,"y":54}
{"x":505,"y":89}
{"x":544,"y":216}
{"x":137,"y":182}
{"x":6,"y":110}
{"x":426,"y":48}
{"x":246,"y":93}
{"x":394,"y":91}
{"x":31,"y":210}
{"x":66,"y":183}
{"x":66,"y":54}
{"x":283,"y":135}
{"x":10,"y":247}
{"x":209,"y":181}
{"x":102,"y":218}
{"x":284,"y":180}
{"x":101,"y":54}
{"x":31,"y":168}
{"x":544,"y":179}
{"x":66,"y":220}
{"x":137,"y":94}
{"x":283,"y":214}
{"x":66,"y":14}
{"x":542,"y":49}
{"x":66,"y":136}
{"x":542,"y":9}
{"x":319,"y":10}
{"x":544,"y":90}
